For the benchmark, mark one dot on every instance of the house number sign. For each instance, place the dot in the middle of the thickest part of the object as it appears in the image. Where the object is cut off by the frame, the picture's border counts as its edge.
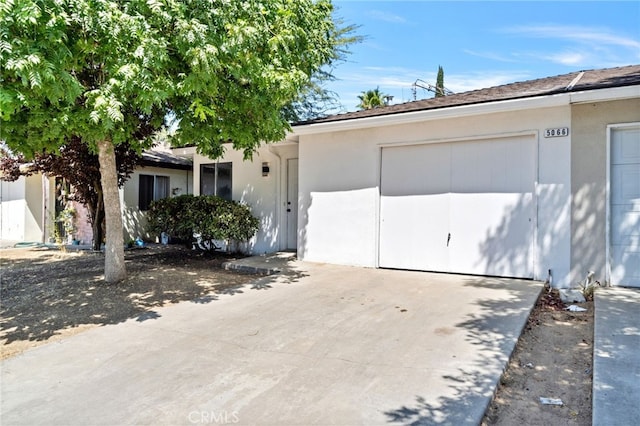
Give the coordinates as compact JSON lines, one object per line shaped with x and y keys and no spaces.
{"x":556,"y":132}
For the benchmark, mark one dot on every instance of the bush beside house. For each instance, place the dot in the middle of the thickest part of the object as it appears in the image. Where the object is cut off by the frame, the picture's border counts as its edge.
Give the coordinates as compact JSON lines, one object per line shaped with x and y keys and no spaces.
{"x":203,"y":219}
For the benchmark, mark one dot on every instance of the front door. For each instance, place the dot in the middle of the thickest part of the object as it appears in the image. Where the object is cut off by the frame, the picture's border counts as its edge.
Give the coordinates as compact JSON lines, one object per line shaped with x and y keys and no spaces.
{"x":292,"y":203}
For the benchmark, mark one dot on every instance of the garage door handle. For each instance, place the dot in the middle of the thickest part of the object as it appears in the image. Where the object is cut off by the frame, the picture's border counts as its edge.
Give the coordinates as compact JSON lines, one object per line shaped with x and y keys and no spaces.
{"x":448,"y":239}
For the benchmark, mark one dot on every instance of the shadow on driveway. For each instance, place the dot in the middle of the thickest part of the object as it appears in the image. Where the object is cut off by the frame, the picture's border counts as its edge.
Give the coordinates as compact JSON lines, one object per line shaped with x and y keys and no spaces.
{"x":46,"y":292}
{"x":494,"y":328}
{"x":344,"y":345}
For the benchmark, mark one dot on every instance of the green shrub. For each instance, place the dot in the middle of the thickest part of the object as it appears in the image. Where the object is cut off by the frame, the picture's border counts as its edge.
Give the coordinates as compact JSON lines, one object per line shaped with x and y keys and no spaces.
{"x":210,"y":217}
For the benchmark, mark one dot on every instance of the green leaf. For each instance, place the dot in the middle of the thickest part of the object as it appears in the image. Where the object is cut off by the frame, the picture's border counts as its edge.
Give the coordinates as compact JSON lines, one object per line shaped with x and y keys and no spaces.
{"x":225,"y":70}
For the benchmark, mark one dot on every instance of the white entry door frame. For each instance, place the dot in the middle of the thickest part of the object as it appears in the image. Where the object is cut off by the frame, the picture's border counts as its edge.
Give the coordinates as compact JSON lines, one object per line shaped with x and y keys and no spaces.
{"x":291,"y":208}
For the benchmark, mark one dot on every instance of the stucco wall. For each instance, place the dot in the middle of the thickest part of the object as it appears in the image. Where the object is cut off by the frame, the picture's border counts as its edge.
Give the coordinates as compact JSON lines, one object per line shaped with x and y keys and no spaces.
{"x":12,"y":206}
{"x":589,"y":181}
{"x":340,"y":176}
{"x":264,"y":194}
{"x":133,"y":219}
{"x":21,"y":209}
{"x":33,"y":220}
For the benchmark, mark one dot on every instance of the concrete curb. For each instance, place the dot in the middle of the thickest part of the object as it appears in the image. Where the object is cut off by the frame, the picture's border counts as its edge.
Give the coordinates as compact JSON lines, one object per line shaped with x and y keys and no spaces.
{"x":616,"y":356}
{"x":267,"y":264}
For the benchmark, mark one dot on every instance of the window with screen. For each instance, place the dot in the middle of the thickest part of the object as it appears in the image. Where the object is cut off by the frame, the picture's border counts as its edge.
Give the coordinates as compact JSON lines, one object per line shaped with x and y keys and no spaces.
{"x":216,"y":179}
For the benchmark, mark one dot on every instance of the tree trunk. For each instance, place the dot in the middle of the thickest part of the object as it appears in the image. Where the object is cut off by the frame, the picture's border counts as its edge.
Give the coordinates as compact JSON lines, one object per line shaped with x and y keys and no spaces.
{"x":114,"y":267}
{"x":97,"y":223}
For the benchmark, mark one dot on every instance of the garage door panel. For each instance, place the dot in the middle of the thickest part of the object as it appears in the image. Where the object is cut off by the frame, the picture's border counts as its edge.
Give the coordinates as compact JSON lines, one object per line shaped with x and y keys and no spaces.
{"x":626,"y":146}
{"x":478,"y":195}
{"x":493,"y":166}
{"x":469,"y":173}
{"x":412,"y":170}
{"x":624,"y":234}
{"x":626,"y":270}
{"x":625,"y":225}
{"x":411,"y":236}
{"x":500,"y":243}
{"x":625,"y":179}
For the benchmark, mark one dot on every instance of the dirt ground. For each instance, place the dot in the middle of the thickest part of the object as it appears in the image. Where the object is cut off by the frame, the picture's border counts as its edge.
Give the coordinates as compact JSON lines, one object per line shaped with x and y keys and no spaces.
{"x":47,"y":295}
{"x":553,"y":359}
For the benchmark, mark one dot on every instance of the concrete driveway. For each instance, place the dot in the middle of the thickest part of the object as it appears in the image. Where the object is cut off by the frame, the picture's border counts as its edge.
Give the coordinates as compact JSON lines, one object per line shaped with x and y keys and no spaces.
{"x":317,"y":344}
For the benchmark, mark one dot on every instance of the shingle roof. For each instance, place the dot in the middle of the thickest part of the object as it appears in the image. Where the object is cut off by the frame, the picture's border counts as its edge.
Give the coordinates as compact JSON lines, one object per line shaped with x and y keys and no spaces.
{"x":572,"y":82}
{"x":166,"y":160}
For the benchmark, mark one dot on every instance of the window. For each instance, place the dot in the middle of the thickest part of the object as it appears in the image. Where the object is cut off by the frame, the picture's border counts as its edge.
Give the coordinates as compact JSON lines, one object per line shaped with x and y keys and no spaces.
{"x":215,"y":179}
{"x":152,"y":188}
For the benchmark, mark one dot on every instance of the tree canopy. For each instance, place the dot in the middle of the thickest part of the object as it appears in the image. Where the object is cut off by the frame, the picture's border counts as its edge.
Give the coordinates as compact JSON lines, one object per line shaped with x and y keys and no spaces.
{"x":110,"y":71}
{"x":314,"y":99}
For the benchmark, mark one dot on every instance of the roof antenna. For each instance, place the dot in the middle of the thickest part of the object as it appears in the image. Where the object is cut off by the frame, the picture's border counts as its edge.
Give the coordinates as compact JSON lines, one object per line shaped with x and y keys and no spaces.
{"x":430,"y":87}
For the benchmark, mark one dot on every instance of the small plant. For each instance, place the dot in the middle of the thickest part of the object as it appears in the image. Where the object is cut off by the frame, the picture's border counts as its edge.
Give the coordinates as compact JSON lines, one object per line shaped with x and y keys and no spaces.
{"x":587,"y":286}
{"x":67,"y":217}
{"x":63,"y":226}
{"x":56,"y":234}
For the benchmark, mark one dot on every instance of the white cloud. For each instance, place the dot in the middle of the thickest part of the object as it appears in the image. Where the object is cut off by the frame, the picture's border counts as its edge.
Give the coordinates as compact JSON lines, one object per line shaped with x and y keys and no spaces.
{"x":587,"y":35}
{"x":597,"y":57}
{"x":490,"y":55}
{"x":386,"y":17}
{"x":585,"y":47}
{"x":481,"y":80}
{"x":370,"y":76}
{"x":568,"y":58}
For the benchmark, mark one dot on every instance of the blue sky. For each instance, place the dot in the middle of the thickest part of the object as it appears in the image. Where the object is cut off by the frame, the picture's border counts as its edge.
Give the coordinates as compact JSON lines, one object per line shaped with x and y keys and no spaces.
{"x":480,"y":44}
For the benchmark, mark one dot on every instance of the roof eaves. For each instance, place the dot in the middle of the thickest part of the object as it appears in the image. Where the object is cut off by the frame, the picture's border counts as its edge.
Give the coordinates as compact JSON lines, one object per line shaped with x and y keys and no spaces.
{"x":436,"y":114}
{"x":346,"y":117}
{"x":573,"y":82}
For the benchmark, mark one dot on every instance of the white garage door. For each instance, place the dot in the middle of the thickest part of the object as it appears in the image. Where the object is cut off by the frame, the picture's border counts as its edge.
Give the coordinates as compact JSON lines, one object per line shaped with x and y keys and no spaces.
{"x":625,"y":207}
{"x":463,"y":207}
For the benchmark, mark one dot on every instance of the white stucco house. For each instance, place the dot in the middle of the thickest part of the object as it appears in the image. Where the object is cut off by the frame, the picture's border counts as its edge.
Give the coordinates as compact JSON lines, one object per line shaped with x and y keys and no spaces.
{"x":22,"y":210}
{"x":160,"y":175}
{"x":534,"y":179}
{"x":29,"y":206}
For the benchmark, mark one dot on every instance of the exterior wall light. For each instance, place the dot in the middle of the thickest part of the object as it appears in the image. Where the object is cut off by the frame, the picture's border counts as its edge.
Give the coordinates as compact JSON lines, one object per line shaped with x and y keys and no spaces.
{"x":265,"y":169}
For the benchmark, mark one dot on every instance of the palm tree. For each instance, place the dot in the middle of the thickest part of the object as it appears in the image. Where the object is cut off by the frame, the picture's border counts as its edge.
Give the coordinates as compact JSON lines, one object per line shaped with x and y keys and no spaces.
{"x":372,"y":99}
